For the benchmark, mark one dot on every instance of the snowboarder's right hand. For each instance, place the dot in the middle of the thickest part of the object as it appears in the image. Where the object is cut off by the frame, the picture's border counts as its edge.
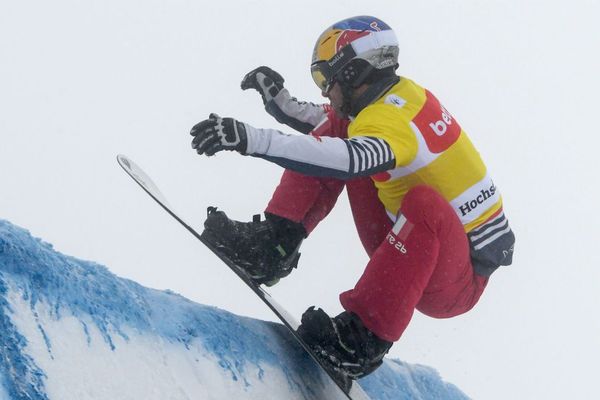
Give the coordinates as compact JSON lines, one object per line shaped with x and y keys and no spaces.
{"x":265,"y":81}
{"x":215,"y":134}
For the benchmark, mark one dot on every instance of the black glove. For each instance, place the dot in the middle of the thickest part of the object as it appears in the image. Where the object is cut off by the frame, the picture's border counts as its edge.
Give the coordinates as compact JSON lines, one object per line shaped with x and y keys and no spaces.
{"x":264,"y":80}
{"x":215,"y":134}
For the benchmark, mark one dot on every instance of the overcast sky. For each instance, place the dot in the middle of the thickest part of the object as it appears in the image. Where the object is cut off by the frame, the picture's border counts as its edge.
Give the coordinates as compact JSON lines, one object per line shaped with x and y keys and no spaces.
{"x":82,"y":81}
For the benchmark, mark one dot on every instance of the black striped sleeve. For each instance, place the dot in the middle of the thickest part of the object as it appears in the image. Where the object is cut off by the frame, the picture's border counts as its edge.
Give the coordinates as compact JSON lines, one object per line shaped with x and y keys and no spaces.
{"x":369,"y":155}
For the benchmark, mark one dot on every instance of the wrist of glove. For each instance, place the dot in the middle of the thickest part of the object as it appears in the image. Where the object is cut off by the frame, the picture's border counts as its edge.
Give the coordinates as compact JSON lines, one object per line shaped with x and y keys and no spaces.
{"x":216,"y":134}
{"x":265,"y":81}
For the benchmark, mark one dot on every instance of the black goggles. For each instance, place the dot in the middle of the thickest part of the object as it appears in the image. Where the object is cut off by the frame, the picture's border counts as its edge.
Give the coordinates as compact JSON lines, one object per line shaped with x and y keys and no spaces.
{"x":321,"y":75}
{"x":323,"y":72}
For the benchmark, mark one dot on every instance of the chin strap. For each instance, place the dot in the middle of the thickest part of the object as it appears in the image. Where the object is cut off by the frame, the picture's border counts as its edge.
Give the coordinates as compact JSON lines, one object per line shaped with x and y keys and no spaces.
{"x":347,"y":93}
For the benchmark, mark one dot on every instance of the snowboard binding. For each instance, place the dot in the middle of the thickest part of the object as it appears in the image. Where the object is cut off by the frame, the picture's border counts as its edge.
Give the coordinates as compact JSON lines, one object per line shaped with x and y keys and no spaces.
{"x":263,"y":249}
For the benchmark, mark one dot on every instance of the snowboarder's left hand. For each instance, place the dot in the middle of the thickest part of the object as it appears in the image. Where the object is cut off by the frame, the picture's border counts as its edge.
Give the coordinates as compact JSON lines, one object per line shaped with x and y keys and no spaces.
{"x":265,"y":81}
{"x":215,"y":134}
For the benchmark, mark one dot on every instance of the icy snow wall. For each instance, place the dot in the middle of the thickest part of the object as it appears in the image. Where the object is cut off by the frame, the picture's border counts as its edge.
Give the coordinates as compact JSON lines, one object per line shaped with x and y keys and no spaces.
{"x":70,"y":329}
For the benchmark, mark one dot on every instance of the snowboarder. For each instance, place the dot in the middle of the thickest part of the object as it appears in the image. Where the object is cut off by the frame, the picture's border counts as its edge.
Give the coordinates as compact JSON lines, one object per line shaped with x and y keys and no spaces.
{"x":425,"y":207}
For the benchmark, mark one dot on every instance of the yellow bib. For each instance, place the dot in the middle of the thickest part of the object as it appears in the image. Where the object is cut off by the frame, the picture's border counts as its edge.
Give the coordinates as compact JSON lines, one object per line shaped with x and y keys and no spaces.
{"x":430,"y":149}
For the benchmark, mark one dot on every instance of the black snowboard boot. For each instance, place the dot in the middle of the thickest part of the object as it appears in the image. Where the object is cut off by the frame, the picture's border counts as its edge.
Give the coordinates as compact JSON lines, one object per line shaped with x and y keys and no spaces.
{"x":266,"y":250}
{"x":343,"y":343}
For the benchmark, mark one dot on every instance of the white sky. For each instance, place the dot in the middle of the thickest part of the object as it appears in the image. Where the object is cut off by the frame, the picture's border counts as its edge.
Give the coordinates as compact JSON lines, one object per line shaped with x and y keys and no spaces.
{"x":81,"y":81}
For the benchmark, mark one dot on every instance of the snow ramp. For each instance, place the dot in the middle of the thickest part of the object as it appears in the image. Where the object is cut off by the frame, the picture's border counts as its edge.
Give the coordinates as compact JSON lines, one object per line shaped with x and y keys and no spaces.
{"x":70,"y":329}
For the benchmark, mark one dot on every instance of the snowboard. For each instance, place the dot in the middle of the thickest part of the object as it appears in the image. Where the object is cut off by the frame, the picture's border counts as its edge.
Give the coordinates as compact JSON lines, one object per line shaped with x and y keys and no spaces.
{"x":351,"y":389}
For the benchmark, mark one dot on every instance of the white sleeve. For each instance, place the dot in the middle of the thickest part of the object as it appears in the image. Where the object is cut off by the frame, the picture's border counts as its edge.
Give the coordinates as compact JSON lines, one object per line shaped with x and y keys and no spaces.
{"x":321,"y":156}
{"x":299,"y":115}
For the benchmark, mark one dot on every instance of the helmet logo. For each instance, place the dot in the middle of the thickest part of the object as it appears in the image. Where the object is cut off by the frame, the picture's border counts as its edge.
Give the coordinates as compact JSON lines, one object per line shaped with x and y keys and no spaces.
{"x":335,"y":59}
{"x":375,"y":26}
{"x":348,"y":36}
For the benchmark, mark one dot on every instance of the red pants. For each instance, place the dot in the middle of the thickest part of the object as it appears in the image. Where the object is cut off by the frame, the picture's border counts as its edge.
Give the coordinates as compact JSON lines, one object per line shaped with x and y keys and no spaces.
{"x":424,"y":264}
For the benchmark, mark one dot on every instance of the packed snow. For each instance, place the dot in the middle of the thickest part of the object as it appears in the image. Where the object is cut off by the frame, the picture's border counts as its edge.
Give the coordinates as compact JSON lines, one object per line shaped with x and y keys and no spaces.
{"x":70,"y":329}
